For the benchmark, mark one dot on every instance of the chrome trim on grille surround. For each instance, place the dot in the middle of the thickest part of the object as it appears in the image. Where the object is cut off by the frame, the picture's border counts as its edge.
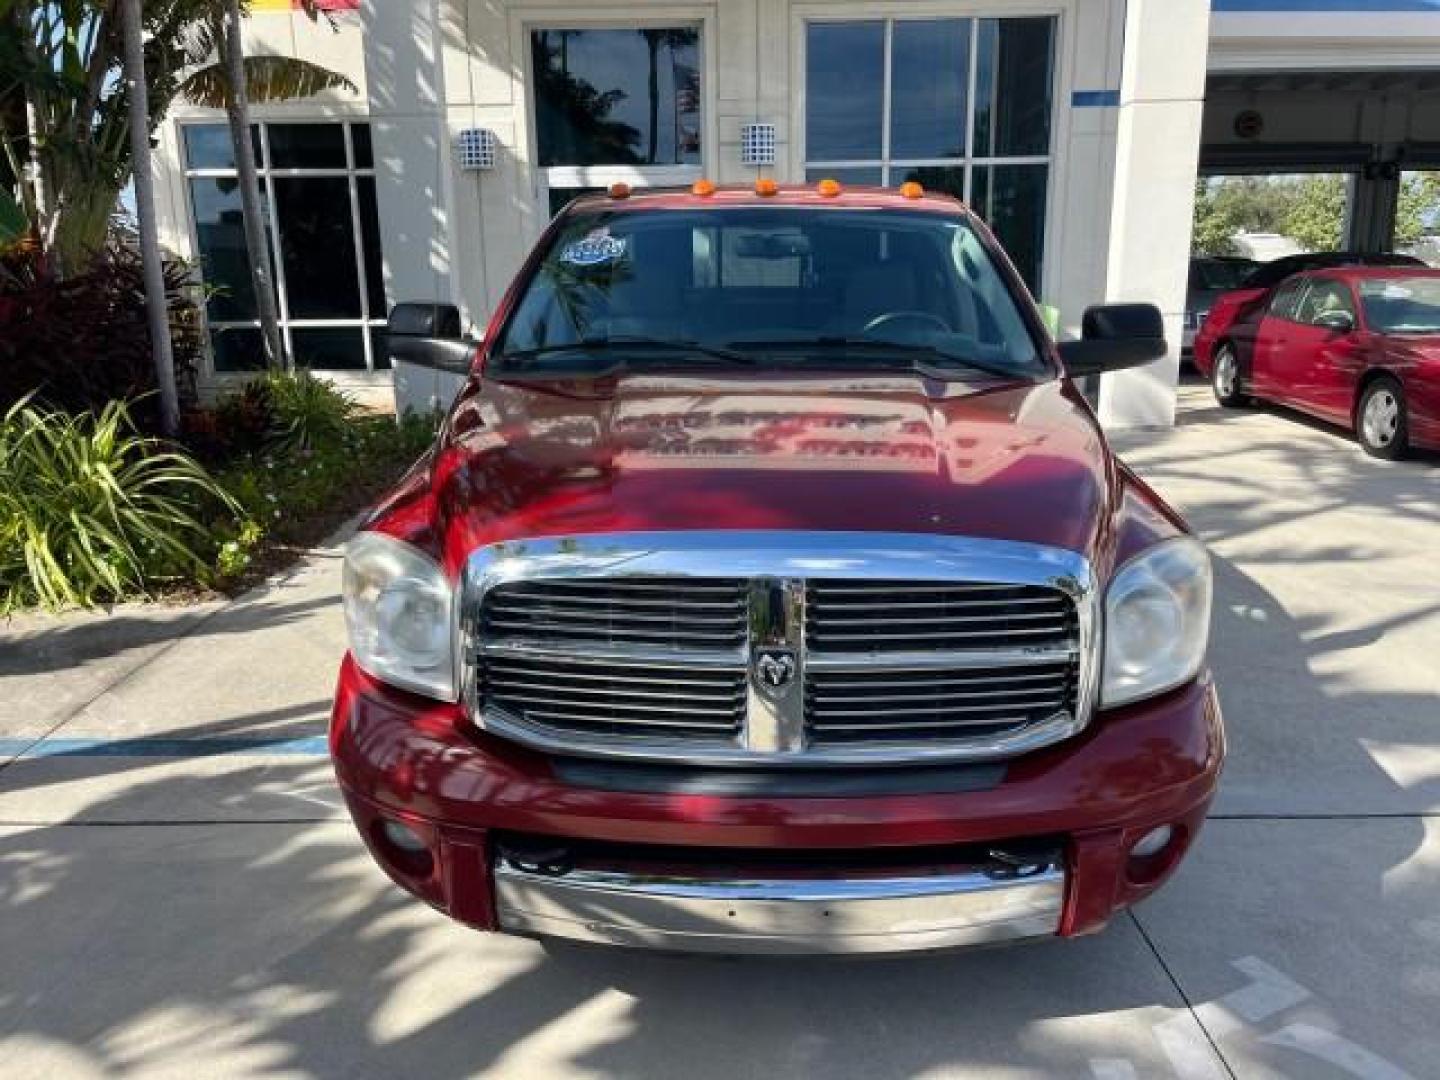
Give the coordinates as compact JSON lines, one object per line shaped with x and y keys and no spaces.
{"x":783,"y":560}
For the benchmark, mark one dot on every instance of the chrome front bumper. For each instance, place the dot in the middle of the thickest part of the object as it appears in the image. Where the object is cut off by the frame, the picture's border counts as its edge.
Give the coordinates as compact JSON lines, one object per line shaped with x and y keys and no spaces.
{"x":780,"y":915}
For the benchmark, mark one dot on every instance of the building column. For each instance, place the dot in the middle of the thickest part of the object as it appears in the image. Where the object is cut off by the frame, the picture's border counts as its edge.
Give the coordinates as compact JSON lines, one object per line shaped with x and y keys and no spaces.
{"x":1157,"y":151}
{"x":405,"y":88}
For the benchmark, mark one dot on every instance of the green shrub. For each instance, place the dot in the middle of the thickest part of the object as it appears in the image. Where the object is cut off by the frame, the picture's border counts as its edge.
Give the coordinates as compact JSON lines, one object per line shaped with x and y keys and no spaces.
{"x":295,"y":493}
{"x":76,"y":343}
{"x":306,"y":412}
{"x":91,"y":510}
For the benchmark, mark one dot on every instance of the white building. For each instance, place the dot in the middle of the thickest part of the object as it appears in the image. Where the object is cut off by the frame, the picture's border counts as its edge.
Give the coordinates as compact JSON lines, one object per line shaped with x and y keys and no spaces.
{"x":1075,"y":127}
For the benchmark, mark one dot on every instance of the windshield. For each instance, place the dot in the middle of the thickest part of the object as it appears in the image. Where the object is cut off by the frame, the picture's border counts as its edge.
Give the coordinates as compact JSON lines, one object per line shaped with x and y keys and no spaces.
{"x":1402,"y":305}
{"x":774,"y":285}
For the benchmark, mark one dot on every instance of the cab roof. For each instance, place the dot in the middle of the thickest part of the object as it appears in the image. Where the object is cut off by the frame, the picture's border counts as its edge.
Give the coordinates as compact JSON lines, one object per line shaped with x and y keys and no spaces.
{"x":791,"y":195}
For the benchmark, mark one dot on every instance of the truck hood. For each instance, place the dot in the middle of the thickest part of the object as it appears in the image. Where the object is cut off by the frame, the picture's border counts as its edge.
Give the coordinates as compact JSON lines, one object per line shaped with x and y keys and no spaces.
{"x":892,"y":453}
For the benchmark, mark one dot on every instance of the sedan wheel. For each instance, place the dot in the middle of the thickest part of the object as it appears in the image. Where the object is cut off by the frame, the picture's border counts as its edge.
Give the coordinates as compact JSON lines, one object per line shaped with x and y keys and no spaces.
{"x":1225,"y":378}
{"x":1381,"y":416}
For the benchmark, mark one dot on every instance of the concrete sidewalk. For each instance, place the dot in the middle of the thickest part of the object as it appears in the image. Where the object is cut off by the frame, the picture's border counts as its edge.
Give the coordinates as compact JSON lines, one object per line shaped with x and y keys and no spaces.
{"x":179,"y":894}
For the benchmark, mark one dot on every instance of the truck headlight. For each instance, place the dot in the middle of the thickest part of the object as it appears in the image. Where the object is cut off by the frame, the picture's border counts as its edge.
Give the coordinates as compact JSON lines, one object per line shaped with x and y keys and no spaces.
{"x":1157,"y":621}
{"x":399,"y":611}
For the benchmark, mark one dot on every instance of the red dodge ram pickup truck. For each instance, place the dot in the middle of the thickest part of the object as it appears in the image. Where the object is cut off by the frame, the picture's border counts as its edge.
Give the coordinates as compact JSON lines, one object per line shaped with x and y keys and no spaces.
{"x":771,"y":588}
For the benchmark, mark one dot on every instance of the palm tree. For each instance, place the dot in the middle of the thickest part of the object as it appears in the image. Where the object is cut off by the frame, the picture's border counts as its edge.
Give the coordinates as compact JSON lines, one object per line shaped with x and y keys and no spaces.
{"x":157,"y":308}
{"x":231,"y":82}
{"x":673,"y":39}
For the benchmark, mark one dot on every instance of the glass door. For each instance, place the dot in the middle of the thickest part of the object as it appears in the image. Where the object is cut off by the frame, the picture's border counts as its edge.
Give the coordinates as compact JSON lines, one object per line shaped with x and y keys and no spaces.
{"x":615,"y":105}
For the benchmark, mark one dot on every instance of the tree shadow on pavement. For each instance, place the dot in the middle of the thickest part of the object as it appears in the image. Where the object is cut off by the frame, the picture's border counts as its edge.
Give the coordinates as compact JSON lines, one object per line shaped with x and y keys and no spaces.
{"x":245,"y":947}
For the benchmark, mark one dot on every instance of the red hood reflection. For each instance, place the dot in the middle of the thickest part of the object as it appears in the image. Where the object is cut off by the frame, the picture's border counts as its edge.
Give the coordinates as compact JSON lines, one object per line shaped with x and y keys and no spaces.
{"x":836,"y":452}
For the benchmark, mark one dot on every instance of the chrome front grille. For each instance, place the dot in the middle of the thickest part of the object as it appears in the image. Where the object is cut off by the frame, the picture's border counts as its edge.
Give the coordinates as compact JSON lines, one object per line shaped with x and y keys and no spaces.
{"x":807,"y":648}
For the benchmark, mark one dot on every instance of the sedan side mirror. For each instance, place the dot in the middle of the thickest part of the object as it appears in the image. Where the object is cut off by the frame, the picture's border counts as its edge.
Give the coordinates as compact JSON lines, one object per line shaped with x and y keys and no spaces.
{"x":1115,"y":337}
{"x":1336,"y":321}
{"x":429,"y":335}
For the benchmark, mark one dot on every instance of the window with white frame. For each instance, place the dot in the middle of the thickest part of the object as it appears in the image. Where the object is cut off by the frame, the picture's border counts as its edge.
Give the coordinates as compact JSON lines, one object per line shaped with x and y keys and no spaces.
{"x":317,"y":189}
{"x":962,"y":105}
{"x":616,"y":104}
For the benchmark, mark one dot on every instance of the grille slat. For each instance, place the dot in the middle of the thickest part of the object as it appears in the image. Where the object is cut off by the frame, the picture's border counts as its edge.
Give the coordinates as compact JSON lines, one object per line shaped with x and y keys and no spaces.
{"x":632,"y":609}
{"x":1051,"y":617}
{"x":946,"y":683}
{"x":609,"y":675}
{"x":912,"y":709}
{"x":923,"y":729}
{"x":525,"y":701}
{"x":1054,"y":692}
{"x":518,"y":688}
{"x":601,"y":719}
{"x":824,"y":638}
{"x":602,"y":631}
{"x":978,"y":602}
{"x":619,"y":586}
{"x":890,"y":588}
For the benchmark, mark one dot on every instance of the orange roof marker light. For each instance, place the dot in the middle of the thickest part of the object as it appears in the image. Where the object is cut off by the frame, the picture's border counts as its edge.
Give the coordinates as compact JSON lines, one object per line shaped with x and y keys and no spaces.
{"x":911,"y":189}
{"x":619,"y":191}
{"x":702,"y":187}
{"x":766,"y":186}
{"x":828,"y":188}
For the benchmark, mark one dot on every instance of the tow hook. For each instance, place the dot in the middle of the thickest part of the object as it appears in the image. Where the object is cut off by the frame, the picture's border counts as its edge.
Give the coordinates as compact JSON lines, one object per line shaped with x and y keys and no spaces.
{"x":1012,"y":866}
{"x":549,"y":860}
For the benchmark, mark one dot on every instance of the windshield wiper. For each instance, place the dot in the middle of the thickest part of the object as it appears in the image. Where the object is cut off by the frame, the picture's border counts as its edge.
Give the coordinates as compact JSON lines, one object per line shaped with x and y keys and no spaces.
{"x":631,"y":345}
{"x":909,"y":350}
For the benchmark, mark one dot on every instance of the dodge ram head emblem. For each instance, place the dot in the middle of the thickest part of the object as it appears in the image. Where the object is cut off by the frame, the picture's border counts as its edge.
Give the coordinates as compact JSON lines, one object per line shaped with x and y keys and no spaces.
{"x":774,"y":669}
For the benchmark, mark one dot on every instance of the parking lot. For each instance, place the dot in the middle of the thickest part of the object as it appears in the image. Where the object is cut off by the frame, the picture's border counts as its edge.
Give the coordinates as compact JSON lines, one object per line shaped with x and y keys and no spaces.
{"x":180,"y":893}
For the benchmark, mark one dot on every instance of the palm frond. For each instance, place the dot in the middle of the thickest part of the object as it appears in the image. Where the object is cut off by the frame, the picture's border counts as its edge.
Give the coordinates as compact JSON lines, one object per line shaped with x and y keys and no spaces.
{"x":267,"y":79}
{"x":281,"y":78}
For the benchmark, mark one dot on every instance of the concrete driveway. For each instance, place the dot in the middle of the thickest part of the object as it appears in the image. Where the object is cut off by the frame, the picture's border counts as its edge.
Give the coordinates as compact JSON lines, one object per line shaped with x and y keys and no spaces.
{"x":179,"y":894}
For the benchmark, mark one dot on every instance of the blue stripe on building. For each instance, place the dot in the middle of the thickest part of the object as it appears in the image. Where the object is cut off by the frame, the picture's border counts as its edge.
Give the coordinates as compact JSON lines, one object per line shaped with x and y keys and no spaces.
{"x":1346,"y":7}
{"x":1094,"y":99}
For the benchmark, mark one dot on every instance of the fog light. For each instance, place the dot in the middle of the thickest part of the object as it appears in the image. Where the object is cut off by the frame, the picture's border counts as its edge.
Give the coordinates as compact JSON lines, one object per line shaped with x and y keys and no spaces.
{"x":403,"y":837}
{"x":1152,"y":843}
{"x":405,"y":848}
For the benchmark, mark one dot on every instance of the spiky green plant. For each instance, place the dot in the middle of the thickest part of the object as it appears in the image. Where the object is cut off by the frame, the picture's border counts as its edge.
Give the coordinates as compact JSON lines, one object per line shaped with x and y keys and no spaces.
{"x":93,"y":511}
{"x":306,"y":412}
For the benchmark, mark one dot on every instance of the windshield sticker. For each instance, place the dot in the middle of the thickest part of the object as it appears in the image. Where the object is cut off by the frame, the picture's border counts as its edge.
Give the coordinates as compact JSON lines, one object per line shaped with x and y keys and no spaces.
{"x":598,"y":248}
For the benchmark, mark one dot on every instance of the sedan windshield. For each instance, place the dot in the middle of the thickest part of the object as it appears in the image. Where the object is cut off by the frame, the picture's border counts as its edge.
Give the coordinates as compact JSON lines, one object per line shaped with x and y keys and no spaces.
{"x":867,"y":288}
{"x":1408,"y":305}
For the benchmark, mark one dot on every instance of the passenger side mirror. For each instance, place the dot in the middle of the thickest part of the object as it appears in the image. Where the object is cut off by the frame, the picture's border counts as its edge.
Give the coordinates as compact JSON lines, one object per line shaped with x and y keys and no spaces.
{"x":1115,"y":337}
{"x":429,"y":335}
{"x":1336,"y":321}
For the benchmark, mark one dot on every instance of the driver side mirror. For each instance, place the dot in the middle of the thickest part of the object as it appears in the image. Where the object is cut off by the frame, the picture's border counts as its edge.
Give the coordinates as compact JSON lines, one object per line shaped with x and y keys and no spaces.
{"x":1115,"y":337}
{"x":428,"y":335}
{"x":1336,"y":321}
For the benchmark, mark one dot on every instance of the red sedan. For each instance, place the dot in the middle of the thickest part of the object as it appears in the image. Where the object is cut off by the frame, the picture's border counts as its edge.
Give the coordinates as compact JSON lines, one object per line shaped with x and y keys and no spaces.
{"x":1358,"y":346}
